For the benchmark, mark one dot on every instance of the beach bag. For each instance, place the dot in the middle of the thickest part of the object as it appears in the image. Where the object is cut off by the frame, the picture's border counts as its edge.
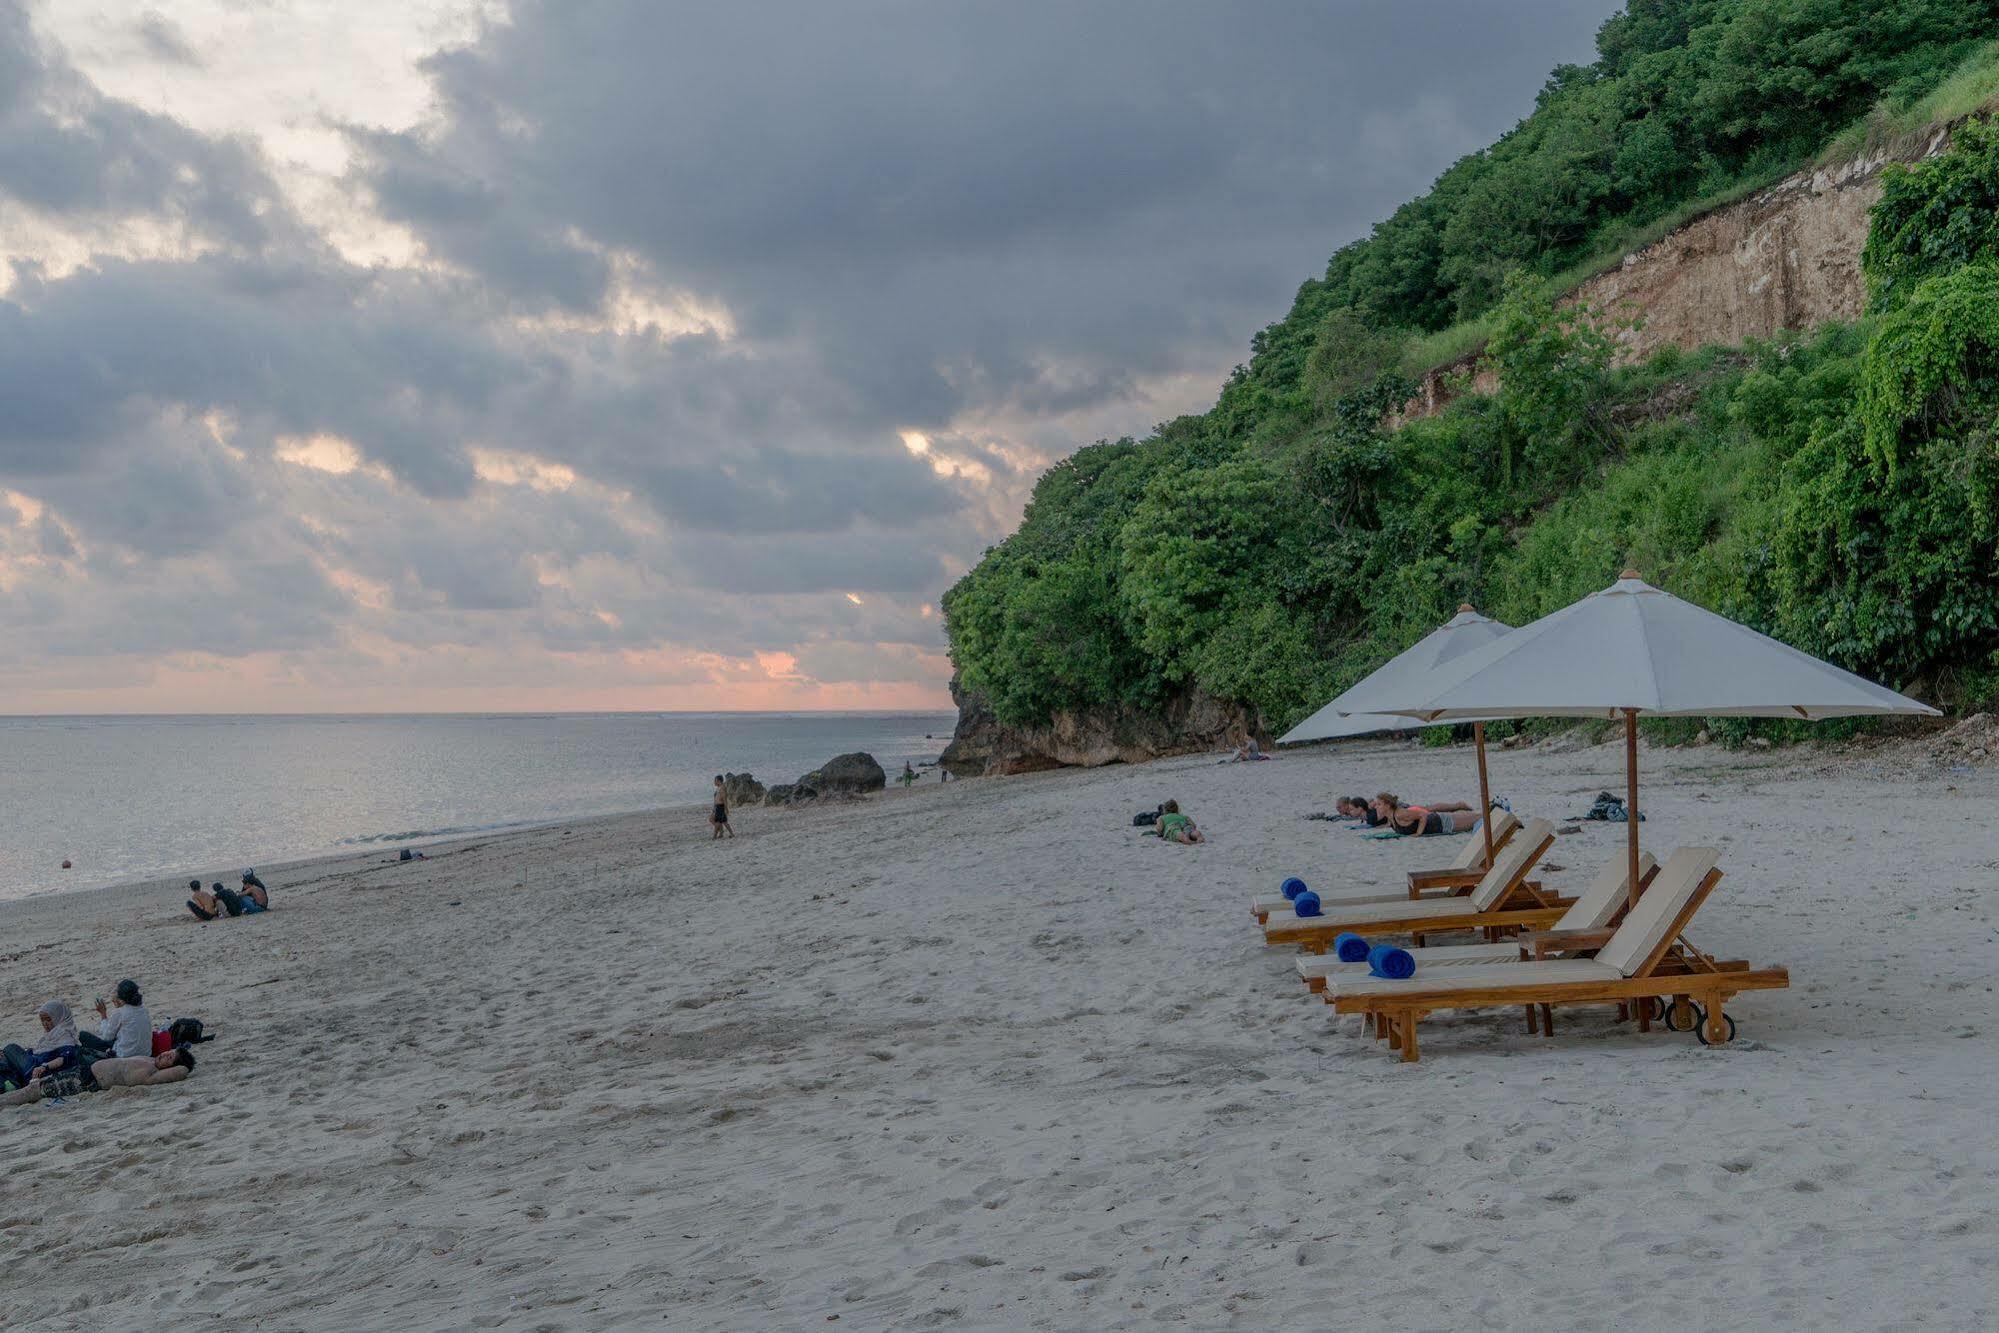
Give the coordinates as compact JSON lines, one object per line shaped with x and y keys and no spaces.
{"x":181,"y":1032}
{"x":1145,"y":819}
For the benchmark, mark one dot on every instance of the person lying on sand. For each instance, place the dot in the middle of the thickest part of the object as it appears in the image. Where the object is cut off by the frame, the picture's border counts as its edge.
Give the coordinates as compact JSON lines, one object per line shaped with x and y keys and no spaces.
{"x":124,"y":1029}
{"x":1416,"y":821}
{"x":57,"y":1047}
{"x":1357,"y":807}
{"x":140,"y":1071}
{"x":1176,"y":827}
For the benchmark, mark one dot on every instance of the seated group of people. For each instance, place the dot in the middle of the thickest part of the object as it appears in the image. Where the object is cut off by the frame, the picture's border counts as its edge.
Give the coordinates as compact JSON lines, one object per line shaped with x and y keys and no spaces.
{"x":1390,"y":812}
{"x":252,"y":898}
{"x":123,"y":1052}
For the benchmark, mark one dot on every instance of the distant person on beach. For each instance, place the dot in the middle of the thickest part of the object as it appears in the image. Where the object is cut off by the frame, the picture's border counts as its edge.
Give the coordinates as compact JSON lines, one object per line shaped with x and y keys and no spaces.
{"x":256,"y":897}
{"x":1176,"y":827}
{"x":210,"y":903}
{"x":1357,"y":807}
{"x":57,"y":1048}
{"x":718,"y":818}
{"x":908,"y":776}
{"x":1416,"y":821}
{"x":1250,"y":752}
{"x":124,"y":1029}
{"x":138,"y":1071}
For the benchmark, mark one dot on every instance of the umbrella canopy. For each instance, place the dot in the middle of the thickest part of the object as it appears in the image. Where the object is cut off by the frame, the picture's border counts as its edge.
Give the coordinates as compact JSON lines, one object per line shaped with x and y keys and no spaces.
{"x":1461,"y":634}
{"x":1633,"y":649}
{"x":1350,"y":715}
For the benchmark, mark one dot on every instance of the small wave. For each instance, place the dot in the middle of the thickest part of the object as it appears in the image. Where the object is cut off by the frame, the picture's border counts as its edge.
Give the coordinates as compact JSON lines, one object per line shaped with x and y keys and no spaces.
{"x":411,"y":835}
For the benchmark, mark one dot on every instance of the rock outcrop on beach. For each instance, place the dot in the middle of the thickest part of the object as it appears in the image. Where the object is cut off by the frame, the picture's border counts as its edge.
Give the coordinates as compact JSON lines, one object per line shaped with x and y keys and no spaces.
{"x":742,"y":789}
{"x":790,"y":793}
{"x":854,"y":774}
{"x":983,"y":746}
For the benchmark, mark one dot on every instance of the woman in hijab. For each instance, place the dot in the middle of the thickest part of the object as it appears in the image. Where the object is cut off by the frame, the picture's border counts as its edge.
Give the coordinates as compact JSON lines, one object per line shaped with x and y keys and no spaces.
{"x":56,"y":1048}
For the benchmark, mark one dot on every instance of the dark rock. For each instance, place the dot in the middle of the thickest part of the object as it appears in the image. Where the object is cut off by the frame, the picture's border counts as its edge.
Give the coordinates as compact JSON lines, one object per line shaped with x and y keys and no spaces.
{"x":1189,"y":724}
{"x":846,"y":775}
{"x":742,"y":789}
{"x":789,"y":793}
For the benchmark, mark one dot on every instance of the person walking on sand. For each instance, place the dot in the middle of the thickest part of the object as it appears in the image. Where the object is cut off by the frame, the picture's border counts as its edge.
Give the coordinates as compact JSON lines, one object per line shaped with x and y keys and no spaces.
{"x":908,"y":778}
{"x":718,"y":818}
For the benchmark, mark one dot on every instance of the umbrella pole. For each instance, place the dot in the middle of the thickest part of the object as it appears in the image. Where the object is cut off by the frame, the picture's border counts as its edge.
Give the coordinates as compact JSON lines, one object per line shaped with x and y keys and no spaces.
{"x":1484,"y":792}
{"x":1631,"y":802}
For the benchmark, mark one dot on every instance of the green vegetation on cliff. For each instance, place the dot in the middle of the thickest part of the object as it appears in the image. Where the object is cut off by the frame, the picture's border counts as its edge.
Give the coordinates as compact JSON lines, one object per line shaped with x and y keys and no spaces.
{"x":1839,"y":490}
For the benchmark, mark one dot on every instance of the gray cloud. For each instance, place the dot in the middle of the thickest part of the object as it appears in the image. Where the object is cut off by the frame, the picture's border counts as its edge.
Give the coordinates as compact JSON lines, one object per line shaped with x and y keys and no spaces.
{"x":1007,"y":226}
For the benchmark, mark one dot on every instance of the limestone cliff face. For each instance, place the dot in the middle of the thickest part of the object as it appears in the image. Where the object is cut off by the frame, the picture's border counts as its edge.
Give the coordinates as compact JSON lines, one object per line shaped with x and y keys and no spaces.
{"x":1784,"y":258}
{"x":1187,"y":725}
{"x":1787,"y":257}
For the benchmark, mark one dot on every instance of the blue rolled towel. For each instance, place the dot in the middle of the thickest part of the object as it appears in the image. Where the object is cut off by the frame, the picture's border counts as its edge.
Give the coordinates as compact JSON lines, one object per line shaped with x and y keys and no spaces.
{"x":1351,"y":948}
{"x":1306,"y":904}
{"x":1292,"y":888}
{"x":1385,"y":960}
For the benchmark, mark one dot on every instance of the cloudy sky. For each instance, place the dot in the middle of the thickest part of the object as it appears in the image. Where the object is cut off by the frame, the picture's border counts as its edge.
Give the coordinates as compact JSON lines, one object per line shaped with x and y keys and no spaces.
{"x":463,"y":354}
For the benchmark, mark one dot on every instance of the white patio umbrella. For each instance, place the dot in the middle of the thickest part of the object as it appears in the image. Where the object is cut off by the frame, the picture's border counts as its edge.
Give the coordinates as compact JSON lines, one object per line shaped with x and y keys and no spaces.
{"x":1635,"y":650}
{"x":1351,"y":714}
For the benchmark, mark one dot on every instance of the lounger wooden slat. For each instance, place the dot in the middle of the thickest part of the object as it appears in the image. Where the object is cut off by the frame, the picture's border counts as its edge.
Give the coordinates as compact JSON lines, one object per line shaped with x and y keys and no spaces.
{"x":1643,"y":959}
{"x":1461,"y":875}
{"x":1597,"y":907}
{"x":1502,"y":902}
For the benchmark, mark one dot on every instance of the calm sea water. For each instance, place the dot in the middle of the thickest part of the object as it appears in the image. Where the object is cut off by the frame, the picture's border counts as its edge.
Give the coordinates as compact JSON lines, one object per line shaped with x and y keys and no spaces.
{"x":129,"y":798}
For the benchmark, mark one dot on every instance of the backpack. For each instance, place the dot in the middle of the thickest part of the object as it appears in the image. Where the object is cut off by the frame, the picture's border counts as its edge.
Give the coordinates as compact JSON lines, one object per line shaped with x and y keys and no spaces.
{"x":1145,"y":818}
{"x":181,"y":1032}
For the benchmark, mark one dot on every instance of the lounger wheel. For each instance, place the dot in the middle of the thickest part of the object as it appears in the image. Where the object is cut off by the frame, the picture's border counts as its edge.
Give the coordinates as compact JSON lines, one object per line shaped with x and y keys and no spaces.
{"x":1700,"y":1029}
{"x":1699,"y":1017}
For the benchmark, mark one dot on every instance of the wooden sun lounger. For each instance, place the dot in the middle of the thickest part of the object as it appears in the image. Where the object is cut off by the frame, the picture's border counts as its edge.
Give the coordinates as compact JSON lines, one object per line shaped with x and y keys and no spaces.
{"x":1460,"y":876}
{"x":1502,"y":903}
{"x":1599,"y":906}
{"x":1644,"y":960}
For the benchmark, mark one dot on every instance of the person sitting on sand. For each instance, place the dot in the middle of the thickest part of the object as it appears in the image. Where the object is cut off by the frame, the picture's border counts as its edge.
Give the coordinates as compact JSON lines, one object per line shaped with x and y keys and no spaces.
{"x":1416,"y":821}
{"x":57,"y":1047}
{"x":125,"y":1029}
{"x":1250,"y":752}
{"x":256,"y":897}
{"x":212,"y":902}
{"x":139,"y":1071}
{"x":1176,"y":827}
{"x":718,"y":818}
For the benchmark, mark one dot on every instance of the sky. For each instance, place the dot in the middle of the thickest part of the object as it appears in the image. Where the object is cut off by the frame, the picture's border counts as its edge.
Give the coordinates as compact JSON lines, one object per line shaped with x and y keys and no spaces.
{"x":408,"y":355}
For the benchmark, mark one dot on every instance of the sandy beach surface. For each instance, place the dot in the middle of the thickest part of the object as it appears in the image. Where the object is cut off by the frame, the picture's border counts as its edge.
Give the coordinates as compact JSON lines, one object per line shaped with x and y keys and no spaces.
{"x":983,"y":1056}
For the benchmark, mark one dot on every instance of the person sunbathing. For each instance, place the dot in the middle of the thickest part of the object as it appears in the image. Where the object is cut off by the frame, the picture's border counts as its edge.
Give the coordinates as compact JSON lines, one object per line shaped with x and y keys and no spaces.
{"x":140,"y":1071}
{"x":56,"y":1049}
{"x":1357,"y":807}
{"x":1416,"y":821}
{"x":1176,"y":827}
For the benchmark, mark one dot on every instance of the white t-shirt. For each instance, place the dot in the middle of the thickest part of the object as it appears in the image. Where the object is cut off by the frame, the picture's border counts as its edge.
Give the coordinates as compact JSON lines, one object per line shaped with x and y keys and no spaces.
{"x":129,"y":1029}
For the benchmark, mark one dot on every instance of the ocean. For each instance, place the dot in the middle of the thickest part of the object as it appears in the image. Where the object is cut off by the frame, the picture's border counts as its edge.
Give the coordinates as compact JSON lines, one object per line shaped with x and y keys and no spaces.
{"x":126,"y":798}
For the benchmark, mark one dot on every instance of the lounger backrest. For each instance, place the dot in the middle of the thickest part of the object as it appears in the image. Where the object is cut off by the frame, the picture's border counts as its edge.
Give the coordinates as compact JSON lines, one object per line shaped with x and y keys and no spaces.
{"x":1473,"y":852}
{"x":1647,"y":926}
{"x":1512,"y":864}
{"x":1599,"y":905}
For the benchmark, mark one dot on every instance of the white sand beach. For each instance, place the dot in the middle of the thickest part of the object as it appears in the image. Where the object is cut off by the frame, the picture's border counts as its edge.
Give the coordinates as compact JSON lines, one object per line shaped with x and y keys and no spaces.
{"x":983,"y":1056}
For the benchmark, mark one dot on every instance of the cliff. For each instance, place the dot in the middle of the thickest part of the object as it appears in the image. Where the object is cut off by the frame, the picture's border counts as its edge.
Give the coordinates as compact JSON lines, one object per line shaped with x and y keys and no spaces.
{"x":1787,"y":257}
{"x":981,"y":745}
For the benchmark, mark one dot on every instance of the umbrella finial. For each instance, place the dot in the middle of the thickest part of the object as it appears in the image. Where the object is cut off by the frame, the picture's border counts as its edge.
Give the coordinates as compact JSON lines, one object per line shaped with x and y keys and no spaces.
{"x":1630,"y":573}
